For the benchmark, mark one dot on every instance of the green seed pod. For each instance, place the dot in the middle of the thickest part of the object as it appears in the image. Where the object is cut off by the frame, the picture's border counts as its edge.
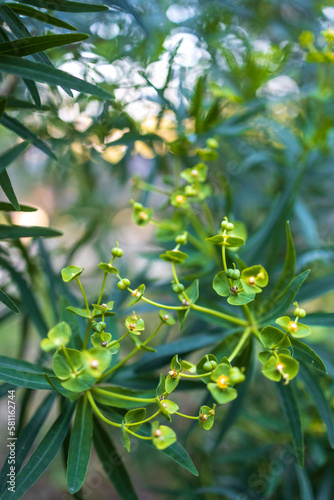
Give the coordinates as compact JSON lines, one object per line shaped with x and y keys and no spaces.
{"x":121,"y":285}
{"x":96,"y":328}
{"x":235,"y":275}
{"x":137,"y":206}
{"x":177,"y":287}
{"x":236,"y":376}
{"x":126,"y":282}
{"x":209,"y":365}
{"x":181,"y":239}
{"x":224,"y":224}
{"x":212,"y":143}
{"x":116,"y":252}
{"x":102,"y":324}
{"x":229,"y":273}
{"x":300,"y":313}
{"x":229,"y":226}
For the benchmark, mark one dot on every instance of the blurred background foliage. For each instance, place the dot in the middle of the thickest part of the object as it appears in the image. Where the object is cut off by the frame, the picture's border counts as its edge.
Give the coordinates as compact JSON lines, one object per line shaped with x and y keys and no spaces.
{"x":180,"y":73}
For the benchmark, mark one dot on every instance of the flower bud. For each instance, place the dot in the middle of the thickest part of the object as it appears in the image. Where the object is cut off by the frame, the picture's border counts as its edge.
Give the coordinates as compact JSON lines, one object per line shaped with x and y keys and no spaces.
{"x":181,"y":239}
{"x":190,"y":191}
{"x":177,"y":287}
{"x":212,"y":143}
{"x":300,"y":313}
{"x":209,"y":365}
{"x":235,"y":274}
{"x":223,"y":224}
{"x":116,"y":252}
{"x":96,"y":328}
{"x":229,"y":226}
{"x":102,"y":324}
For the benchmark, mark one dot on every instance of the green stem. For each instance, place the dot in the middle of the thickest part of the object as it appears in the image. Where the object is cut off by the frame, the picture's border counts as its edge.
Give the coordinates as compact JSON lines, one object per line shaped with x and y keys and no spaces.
{"x":240,"y":344}
{"x":213,"y":312}
{"x":89,"y":324}
{"x":186,"y":416}
{"x":195,"y":376}
{"x":84,"y":296}
{"x":122,"y":396}
{"x":224,"y":257}
{"x":68,"y":359}
{"x":146,"y":419}
{"x":132,"y":353}
{"x":119,"y":340}
{"x":157,"y":304}
{"x":109,"y":422}
{"x":102,"y":287}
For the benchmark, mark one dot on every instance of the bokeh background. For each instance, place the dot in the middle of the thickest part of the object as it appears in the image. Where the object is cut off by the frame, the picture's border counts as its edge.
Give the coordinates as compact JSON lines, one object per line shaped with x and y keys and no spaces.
{"x":182,"y":72}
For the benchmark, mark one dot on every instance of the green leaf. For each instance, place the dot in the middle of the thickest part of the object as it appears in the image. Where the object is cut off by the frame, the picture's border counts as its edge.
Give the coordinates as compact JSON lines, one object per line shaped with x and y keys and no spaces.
{"x":270,"y":336}
{"x":289,"y":270}
{"x":222,"y":396}
{"x":192,"y":291}
{"x":78,"y":311}
{"x":26,"y":439}
{"x":133,"y":416}
{"x":43,"y":455}
{"x":221,"y":285}
{"x":323,"y":319}
{"x":21,"y":378}
{"x":25,"y":46}
{"x":303,"y":352}
{"x":112,"y":463}
{"x":166,"y":438}
{"x":80,"y":446}
{"x":112,"y":396}
{"x":66,"y":6}
{"x":298,"y":331}
{"x":70,"y":273}
{"x":291,"y":409}
{"x":18,"y":128}
{"x":8,"y":301}
{"x":227,"y":240}
{"x":166,"y":317}
{"x":239,"y":299}
{"x":108,"y":268}
{"x":315,"y":391}
{"x":316,"y":288}
{"x":7,"y":188}
{"x":14,"y":232}
{"x":47,"y":74}
{"x":26,"y":11}
{"x":286,"y":298}
{"x":305,"y":486}
{"x":9,"y":156}
{"x":3,"y":102}
{"x":8,"y":207}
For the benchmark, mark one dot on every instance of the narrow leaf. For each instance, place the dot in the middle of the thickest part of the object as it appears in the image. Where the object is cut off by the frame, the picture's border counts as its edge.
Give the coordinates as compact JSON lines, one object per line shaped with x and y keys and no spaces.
{"x":313,"y":388}
{"x":26,"y":439}
{"x":112,"y":463}
{"x":43,"y":455}
{"x":7,"y":188}
{"x":14,"y":232}
{"x":8,"y":301}
{"x":292,"y":413}
{"x":80,"y":446}
{"x":26,"y":11}
{"x":65,"y":6}
{"x":9,"y":156}
{"x":30,"y":45}
{"x":18,"y":128}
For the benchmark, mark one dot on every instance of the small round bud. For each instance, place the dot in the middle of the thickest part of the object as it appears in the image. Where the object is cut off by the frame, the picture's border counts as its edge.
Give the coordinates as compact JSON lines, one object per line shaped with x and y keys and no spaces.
{"x":223,"y":224}
{"x":116,"y":252}
{"x":96,"y":328}
{"x":102,"y":324}
{"x":235,"y":275}
{"x":121,"y":285}
{"x":137,"y":206}
{"x":212,"y":143}
{"x":190,"y":191}
{"x":209,"y":365}
{"x":94,"y":364}
{"x":229,"y":273}
{"x":177,"y":287}
{"x":229,"y":226}
{"x":181,"y":239}
{"x":300,"y":313}
{"x":236,"y":376}
{"x":126,"y":282}
{"x":157,"y":433}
